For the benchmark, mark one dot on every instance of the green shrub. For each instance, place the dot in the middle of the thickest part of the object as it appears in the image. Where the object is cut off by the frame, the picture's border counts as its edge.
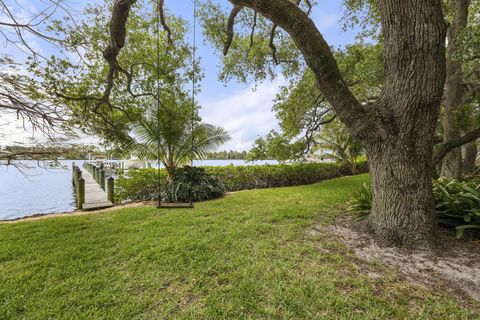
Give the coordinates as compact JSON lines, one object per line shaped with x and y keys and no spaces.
{"x":238,"y":178}
{"x":457,"y":205}
{"x":195,"y":182}
{"x":139,"y":185}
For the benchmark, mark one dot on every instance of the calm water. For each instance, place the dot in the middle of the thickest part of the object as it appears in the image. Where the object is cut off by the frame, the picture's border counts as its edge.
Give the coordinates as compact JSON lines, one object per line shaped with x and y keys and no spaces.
{"x":40,"y":191}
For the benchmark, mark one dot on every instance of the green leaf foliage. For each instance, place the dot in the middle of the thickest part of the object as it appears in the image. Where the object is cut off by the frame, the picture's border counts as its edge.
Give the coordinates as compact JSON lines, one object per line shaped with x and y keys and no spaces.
{"x":167,"y":135}
{"x":457,"y":204}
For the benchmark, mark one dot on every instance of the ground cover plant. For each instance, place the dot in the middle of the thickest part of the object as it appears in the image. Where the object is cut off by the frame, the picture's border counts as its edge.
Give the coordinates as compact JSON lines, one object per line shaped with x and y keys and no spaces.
{"x":245,"y":256}
{"x":457,"y":204}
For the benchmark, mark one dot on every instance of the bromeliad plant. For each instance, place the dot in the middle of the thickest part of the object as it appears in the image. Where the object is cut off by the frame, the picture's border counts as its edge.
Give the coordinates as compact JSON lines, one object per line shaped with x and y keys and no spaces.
{"x":457,"y":205}
{"x":361,"y":202}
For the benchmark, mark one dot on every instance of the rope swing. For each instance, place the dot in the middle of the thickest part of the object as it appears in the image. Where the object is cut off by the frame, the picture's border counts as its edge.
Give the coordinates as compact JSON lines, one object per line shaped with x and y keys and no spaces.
{"x":190,"y":204}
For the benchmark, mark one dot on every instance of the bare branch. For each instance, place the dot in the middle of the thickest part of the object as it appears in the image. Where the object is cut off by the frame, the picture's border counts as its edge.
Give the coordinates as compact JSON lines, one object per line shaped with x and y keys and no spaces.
{"x":271,"y":43}
{"x":255,"y":17}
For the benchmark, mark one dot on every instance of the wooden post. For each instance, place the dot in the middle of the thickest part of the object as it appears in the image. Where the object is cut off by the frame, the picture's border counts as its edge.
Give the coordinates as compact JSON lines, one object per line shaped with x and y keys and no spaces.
{"x":94,"y":172}
{"x":80,"y":193}
{"x":73,"y":173}
{"x":110,"y":189}
{"x":78,"y":174}
{"x":102,"y":179}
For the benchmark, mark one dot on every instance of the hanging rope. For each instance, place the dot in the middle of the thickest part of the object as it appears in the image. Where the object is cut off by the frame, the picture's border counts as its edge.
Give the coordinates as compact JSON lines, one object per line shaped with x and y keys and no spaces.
{"x":159,"y":182}
{"x":193,"y":112}
{"x":192,"y":119}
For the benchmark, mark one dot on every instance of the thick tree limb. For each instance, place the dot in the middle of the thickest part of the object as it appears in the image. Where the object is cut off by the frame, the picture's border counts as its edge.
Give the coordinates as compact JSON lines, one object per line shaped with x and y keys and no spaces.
{"x":120,"y":13}
{"x":448,"y":146}
{"x":230,"y":24}
{"x":161,"y":13}
{"x":319,"y":58}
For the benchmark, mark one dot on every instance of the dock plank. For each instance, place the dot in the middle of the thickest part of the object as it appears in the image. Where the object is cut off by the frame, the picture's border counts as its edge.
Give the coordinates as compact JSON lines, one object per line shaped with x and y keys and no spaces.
{"x":95,"y":196}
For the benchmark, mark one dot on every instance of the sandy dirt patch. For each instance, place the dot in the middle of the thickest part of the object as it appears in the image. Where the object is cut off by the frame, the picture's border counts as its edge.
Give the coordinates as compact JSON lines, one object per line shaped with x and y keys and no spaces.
{"x":453,"y":265}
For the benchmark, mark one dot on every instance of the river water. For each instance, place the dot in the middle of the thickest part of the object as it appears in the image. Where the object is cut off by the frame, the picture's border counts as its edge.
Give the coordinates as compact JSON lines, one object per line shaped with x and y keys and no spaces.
{"x":41,"y":190}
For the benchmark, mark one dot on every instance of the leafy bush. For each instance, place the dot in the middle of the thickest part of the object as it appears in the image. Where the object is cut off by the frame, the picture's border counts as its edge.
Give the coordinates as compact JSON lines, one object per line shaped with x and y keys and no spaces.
{"x":139,"y":185}
{"x":457,"y":204}
{"x":195,"y":182}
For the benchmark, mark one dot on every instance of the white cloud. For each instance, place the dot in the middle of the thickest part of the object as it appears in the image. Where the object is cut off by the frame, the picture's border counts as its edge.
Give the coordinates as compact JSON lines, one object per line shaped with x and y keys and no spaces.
{"x":246,"y":114}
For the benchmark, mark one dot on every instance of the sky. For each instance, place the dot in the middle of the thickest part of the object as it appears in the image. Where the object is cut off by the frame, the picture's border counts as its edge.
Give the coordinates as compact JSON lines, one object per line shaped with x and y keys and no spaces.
{"x":244,"y":110}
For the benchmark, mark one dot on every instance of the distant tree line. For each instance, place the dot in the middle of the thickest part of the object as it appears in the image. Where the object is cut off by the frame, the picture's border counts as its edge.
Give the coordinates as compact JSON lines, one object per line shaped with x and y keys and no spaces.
{"x":227,"y":155}
{"x":47,"y":152}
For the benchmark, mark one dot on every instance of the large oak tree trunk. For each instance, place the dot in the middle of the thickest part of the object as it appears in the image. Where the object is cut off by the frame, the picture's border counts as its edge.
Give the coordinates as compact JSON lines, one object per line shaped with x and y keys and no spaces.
{"x":398,"y":130}
{"x":454,"y":91}
{"x":400,"y":156}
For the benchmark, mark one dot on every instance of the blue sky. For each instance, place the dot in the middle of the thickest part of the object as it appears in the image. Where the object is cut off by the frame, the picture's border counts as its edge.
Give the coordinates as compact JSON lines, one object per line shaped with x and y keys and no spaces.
{"x":244,"y":112}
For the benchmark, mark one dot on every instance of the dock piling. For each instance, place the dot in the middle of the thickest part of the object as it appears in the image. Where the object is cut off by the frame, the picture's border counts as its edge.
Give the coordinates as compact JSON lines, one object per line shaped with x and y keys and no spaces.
{"x":102,"y":179}
{"x":110,"y":189}
{"x":80,"y":193}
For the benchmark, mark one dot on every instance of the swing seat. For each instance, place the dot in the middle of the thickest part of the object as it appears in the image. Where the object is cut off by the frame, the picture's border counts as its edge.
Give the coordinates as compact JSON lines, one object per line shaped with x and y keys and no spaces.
{"x":174,"y":205}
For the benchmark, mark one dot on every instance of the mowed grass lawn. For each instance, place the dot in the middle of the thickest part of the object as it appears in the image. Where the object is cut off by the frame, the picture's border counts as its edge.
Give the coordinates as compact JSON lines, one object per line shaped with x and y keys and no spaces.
{"x":246,"y":256}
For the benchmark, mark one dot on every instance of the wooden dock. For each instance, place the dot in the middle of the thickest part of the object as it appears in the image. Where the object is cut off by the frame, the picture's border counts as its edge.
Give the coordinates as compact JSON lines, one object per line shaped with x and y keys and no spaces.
{"x":95,"y":196}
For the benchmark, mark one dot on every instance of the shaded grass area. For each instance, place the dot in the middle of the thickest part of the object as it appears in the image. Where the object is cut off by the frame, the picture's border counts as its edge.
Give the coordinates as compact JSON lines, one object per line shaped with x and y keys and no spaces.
{"x":246,"y":256}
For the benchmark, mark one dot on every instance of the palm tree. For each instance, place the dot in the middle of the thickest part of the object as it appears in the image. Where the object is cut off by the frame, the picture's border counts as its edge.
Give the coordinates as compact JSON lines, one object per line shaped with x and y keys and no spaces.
{"x":344,"y":149}
{"x":167,"y":135}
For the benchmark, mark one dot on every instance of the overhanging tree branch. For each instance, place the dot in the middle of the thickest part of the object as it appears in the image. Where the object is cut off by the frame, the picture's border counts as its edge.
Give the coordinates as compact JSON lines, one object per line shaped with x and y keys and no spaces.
{"x":230,"y":24}
{"x":319,"y":58}
{"x":161,"y":13}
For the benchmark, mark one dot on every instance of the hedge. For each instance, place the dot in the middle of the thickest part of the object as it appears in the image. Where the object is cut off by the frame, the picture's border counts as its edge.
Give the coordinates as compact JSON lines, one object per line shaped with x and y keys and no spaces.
{"x":141,"y":184}
{"x":238,"y":178}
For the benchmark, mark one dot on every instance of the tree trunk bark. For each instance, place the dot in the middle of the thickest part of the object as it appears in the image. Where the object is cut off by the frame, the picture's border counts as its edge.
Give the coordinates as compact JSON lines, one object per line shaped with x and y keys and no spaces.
{"x":403,"y":205}
{"x":454,"y":92}
{"x":471,"y":151}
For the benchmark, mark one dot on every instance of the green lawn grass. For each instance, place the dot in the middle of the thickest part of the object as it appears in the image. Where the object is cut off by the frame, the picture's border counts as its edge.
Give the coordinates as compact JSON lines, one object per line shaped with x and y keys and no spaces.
{"x":246,"y":256}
